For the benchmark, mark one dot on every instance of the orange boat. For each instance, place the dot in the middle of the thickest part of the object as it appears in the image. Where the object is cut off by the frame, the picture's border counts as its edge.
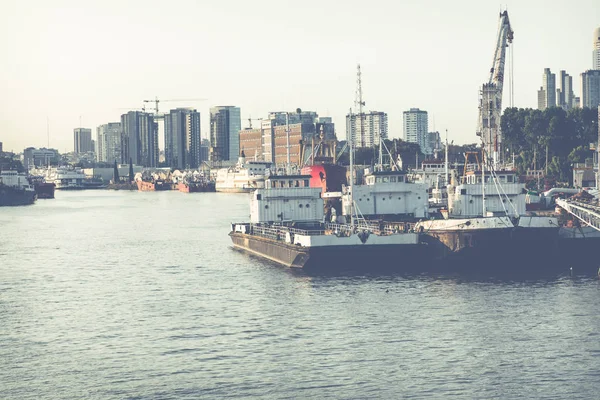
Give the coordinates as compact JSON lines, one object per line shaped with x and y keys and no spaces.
{"x":145,"y":186}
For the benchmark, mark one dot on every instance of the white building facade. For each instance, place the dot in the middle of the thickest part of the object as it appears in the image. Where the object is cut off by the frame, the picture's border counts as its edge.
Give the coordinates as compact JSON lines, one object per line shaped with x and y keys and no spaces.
{"x":108,"y":142}
{"x":416,"y":127}
{"x":590,"y":88}
{"x":367,"y":129}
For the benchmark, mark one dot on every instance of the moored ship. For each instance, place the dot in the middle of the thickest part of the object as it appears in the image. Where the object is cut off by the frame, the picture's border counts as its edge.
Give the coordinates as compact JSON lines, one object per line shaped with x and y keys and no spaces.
{"x":486,"y":224}
{"x":15,"y":189}
{"x":196,"y":187}
{"x":67,"y":178}
{"x":148,"y":181}
{"x":244,"y":177}
{"x":43,"y":189}
{"x":287,"y":226}
{"x":155,"y":185}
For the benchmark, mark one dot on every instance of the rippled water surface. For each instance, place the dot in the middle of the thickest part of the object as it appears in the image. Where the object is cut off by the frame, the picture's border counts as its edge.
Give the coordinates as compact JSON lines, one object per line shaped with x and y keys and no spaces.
{"x":114,"y":295}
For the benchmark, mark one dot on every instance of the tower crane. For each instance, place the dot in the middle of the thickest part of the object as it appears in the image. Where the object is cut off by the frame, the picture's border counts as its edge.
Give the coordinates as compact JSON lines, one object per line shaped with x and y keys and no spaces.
{"x":250,"y":119}
{"x":490,"y":102}
{"x":156,"y":101}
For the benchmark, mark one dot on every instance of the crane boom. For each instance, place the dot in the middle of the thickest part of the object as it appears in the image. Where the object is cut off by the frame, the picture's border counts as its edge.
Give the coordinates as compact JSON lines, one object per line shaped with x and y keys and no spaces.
{"x":490,"y":102}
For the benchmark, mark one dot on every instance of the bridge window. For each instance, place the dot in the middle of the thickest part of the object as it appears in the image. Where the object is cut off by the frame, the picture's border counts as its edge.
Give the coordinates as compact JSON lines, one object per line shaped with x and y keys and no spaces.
{"x":392,"y":179}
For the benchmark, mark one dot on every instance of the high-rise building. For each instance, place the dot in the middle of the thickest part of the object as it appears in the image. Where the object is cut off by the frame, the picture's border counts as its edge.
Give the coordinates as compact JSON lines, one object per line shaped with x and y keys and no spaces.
{"x":367,"y":129}
{"x":140,"y":133}
{"x":569,"y":95}
{"x":82,"y":139}
{"x":434,"y":143}
{"x":204,"y":149}
{"x":541,"y":99}
{"x":182,"y":138}
{"x":225,"y":126}
{"x":590,"y":88}
{"x":416,"y":127}
{"x":108,"y":142}
{"x":549,"y":86}
{"x":564,"y":92}
{"x":596,"y":52}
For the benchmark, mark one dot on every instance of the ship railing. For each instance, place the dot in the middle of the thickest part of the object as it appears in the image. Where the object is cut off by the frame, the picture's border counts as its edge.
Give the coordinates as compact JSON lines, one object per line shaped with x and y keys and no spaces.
{"x":278,"y":232}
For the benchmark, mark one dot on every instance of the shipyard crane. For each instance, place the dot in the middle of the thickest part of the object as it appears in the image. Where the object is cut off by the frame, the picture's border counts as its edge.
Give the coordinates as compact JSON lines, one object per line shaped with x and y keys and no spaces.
{"x":490,"y":102}
{"x":156,"y":101}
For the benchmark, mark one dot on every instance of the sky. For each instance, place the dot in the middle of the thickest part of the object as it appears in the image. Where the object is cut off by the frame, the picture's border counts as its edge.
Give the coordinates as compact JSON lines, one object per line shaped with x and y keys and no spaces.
{"x":69,"y":63}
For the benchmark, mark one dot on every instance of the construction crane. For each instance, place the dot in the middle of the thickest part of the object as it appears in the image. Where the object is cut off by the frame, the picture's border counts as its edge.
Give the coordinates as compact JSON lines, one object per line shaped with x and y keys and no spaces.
{"x":490,"y":101}
{"x":156,"y":101}
{"x":250,"y":119}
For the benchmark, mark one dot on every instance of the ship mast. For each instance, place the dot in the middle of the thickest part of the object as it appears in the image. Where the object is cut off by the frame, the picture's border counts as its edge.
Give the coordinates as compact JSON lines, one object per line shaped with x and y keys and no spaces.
{"x":351,"y":150}
{"x":446,"y":161}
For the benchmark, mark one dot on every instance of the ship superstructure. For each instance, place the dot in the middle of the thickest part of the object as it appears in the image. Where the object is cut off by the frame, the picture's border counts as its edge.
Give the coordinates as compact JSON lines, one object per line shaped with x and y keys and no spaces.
{"x":15,"y":189}
{"x":244,"y":177}
{"x":388,"y":195}
{"x":486,"y":220}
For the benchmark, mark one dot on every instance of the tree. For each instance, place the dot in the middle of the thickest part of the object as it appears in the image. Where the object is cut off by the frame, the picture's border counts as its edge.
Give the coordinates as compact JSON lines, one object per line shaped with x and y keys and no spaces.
{"x":564,"y":135}
{"x":130,"y":170}
{"x":116,"y":173}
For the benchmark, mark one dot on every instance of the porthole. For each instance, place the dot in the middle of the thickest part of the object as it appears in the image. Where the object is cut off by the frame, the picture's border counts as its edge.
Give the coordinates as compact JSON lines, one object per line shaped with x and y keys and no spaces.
{"x":308,"y":205}
{"x":266,"y":206}
{"x":300,"y":205}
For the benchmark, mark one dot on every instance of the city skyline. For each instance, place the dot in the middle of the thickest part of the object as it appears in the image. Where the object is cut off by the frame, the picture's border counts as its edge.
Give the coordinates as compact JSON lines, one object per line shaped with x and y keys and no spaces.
{"x":261,"y":69}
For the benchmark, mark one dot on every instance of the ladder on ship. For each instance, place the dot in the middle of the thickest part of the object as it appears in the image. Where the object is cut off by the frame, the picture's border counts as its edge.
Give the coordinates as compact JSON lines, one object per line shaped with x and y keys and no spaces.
{"x":585,"y":212}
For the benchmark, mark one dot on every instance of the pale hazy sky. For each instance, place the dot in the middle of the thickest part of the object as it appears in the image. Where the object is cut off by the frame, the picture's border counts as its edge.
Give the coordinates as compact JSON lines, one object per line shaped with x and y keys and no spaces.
{"x":66,"y":60}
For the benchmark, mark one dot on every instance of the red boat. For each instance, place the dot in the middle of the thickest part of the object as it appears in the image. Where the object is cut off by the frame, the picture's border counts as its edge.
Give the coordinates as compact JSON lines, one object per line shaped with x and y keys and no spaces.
{"x":145,"y":186}
{"x":43,"y":189}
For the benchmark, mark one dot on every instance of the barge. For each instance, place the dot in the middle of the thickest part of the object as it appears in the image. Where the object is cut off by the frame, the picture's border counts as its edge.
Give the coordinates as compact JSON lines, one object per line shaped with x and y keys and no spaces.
{"x":287,"y":226}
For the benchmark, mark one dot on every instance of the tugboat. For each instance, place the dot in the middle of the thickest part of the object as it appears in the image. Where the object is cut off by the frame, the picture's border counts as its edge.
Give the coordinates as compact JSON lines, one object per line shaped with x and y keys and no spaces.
{"x":15,"y":189}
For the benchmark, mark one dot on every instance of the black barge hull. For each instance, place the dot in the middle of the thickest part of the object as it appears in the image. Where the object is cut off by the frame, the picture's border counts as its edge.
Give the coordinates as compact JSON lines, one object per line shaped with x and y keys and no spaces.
{"x":404,"y":257}
{"x":502,"y":250}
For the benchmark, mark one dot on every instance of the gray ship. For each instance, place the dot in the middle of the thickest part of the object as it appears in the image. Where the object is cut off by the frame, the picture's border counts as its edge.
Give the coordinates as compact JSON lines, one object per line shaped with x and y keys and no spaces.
{"x":15,"y":189}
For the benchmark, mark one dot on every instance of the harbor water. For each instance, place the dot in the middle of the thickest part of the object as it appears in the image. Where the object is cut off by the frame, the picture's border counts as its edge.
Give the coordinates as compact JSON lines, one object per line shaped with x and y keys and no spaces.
{"x":139,"y":295}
